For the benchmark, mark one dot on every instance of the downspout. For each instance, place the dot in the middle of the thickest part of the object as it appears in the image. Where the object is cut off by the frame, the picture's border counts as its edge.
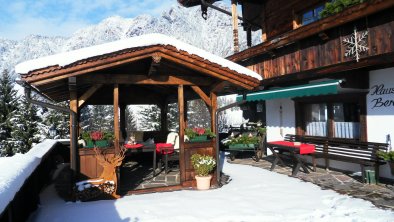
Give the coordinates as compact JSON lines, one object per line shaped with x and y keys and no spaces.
{"x":28,"y":89}
{"x":217,"y":131}
{"x":206,"y":4}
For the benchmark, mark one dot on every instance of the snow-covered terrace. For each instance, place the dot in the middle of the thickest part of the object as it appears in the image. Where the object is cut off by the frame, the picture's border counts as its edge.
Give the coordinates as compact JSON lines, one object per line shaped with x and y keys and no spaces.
{"x":254,"y":194}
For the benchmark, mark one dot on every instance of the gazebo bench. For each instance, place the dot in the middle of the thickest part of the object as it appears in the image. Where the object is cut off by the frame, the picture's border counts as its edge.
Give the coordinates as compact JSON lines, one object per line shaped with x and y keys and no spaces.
{"x":346,"y":150}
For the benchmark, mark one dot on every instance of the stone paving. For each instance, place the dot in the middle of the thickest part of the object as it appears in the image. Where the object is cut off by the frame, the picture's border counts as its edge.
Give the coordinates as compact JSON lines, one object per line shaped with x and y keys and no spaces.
{"x":381,"y":195}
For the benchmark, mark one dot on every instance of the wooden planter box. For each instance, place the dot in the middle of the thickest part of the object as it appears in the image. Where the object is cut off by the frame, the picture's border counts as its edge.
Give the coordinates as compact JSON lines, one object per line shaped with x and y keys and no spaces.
{"x":199,"y":139}
{"x":89,"y":167}
{"x":97,"y":143}
{"x":241,"y":146}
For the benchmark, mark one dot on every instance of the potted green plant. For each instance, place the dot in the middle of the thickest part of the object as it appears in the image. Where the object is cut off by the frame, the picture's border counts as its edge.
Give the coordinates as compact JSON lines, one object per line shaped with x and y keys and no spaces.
{"x":242,"y":142}
{"x":203,"y":165}
{"x":199,"y":134}
{"x":97,"y":139}
{"x":389,"y":157}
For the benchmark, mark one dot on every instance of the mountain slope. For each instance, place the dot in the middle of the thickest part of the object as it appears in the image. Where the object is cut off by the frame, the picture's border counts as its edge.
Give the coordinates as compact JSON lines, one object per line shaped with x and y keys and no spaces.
{"x":185,"y":24}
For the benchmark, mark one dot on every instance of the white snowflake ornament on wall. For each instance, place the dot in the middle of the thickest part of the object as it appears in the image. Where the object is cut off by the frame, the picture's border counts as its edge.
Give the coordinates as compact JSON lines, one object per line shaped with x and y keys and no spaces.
{"x":356,"y":44}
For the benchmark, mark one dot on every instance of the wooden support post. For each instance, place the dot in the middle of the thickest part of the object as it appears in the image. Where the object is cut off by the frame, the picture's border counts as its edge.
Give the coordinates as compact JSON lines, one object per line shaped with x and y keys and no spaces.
{"x":163,"y":117}
{"x":122,"y":121}
{"x":213,"y":110}
{"x":264,"y":26}
{"x":214,"y":104}
{"x":235,"y":24}
{"x":116,"y":118}
{"x":72,"y":84}
{"x":181,"y":108}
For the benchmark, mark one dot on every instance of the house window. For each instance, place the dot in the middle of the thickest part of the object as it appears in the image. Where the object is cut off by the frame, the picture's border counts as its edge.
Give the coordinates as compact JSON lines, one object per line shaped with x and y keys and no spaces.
{"x":311,"y":15}
{"x":339,"y":120}
{"x":316,"y":119}
{"x":346,"y":118}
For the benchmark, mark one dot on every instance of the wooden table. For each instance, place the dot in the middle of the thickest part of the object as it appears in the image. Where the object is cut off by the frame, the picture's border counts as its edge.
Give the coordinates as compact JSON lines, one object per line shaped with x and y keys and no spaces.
{"x":140,"y":148}
{"x":295,"y":152}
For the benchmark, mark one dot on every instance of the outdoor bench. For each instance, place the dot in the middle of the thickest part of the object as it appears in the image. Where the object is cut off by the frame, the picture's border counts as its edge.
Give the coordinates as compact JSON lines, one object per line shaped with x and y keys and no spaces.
{"x":347,"y":150}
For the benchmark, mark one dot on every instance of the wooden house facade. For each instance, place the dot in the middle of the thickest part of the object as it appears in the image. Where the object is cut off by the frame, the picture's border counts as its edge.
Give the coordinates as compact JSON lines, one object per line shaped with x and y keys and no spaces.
{"x":150,"y":69}
{"x":300,"y":47}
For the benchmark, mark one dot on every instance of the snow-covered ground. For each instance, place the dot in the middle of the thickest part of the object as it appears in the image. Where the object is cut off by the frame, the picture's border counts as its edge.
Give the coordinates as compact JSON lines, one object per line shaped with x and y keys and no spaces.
{"x":254,"y":194}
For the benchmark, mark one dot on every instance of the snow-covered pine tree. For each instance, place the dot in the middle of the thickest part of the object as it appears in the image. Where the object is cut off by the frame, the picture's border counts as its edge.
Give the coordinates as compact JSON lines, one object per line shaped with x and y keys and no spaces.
{"x":173,"y":117}
{"x":25,"y":132}
{"x":8,"y":104}
{"x":150,"y":118}
{"x":102,"y":118}
{"x":198,"y":114}
{"x":60,"y":120}
{"x":131,"y":123}
{"x":85,"y":119}
{"x":223,"y":121}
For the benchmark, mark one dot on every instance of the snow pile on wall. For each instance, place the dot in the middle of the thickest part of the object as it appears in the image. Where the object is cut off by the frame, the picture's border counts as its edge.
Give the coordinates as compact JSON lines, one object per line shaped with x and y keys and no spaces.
{"x":16,"y":169}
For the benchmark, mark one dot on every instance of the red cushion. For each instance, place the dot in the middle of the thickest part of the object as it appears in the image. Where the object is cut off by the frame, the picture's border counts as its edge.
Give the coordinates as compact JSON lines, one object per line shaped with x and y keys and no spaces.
{"x":304,"y":148}
{"x":164,"y":148}
{"x":133,"y":146}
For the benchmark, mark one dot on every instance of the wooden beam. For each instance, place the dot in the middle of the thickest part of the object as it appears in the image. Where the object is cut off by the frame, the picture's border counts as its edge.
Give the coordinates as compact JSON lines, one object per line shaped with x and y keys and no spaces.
{"x":213,"y":110}
{"x":214,"y":104}
{"x":235,"y":24}
{"x":181,"y":106}
{"x":88,"y":94}
{"x":72,"y":84}
{"x":122,"y":121}
{"x":123,"y":78}
{"x":244,"y":81}
{"x":156,"y":58}
{"x":381,"y":60}
{"x":202,"y":95}
{"x":347,"y":15}
{"x":116,"y":118}
{"x":219,"y":86}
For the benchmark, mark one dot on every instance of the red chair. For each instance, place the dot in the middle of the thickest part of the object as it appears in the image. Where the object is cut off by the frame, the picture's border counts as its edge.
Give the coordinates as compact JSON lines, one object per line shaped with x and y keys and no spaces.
{"x":164,"y":150}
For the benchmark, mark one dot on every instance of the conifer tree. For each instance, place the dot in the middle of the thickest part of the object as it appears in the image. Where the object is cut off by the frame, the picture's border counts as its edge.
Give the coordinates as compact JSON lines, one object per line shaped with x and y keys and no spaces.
{"x":25,"y":130}
{"x":131,"y":124}
{"x":102,"y":118}
{"x":173,"y":117}
{"x":198,"y":114}
{"x":60,"y":120}
{"x":150,"y":118}
{"x":8,"y":104}
{"x":85,"y":119}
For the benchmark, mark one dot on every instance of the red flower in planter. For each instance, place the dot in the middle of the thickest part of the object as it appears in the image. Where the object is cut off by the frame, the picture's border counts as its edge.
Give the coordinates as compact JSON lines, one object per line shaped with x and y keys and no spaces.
{"x":199,"y":131}
{"x":96,"y":135}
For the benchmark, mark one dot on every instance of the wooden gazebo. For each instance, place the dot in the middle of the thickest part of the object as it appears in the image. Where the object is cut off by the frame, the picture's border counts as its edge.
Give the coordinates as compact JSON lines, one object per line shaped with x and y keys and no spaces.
{"x":149,"y":69}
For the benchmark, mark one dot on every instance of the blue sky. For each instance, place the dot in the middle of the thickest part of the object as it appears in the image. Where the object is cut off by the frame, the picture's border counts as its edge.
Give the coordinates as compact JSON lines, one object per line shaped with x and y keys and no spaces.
{"x":19,"y":18}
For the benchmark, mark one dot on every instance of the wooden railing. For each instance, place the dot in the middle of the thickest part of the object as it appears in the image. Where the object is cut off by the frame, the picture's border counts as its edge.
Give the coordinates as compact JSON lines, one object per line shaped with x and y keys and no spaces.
{"x":26,"y":200}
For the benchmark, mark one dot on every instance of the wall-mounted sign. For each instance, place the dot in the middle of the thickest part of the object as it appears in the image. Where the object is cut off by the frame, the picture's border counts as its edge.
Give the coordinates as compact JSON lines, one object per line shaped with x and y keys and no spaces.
{"x":382,"y":96}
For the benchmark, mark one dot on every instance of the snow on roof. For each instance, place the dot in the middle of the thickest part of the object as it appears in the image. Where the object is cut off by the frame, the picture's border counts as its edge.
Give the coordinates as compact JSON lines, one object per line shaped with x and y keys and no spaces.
{"x":67,"y":58}
{"x":16,"y":169}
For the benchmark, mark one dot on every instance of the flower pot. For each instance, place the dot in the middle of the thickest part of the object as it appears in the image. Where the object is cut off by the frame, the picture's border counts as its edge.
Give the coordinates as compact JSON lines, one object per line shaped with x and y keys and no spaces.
{"x":199,"y":138}
{"x":102,"y":143}
{"x":97,"y":143}
{"x":240,"y":146}
{"x":89,"y":144}
{"x":203,"y":182}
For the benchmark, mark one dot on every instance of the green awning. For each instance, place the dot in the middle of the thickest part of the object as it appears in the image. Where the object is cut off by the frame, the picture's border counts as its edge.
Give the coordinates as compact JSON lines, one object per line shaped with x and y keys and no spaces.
{"x":313,"y":89}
